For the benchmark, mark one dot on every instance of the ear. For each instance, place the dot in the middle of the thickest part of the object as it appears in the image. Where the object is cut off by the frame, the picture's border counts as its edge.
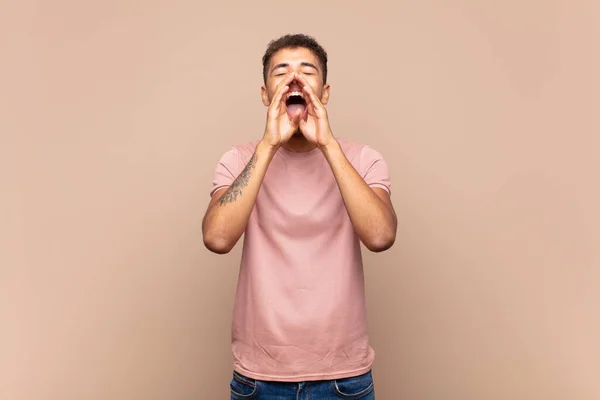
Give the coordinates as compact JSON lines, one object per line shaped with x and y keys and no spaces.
{"x":265,"y":96}
{"x":325,"y":96}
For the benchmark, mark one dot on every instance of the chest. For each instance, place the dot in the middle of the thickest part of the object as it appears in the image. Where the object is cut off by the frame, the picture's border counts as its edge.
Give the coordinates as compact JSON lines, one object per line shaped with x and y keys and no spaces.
{"x":300,"y":199}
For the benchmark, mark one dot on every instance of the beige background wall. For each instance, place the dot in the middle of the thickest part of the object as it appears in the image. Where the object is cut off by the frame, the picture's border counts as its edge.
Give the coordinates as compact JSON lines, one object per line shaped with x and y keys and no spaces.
{"x":113,"y":114}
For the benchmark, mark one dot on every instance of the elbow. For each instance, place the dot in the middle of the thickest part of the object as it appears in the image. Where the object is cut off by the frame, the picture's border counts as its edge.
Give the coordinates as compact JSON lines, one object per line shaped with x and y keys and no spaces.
{"x":217,"y":244}
{"x":381,"y":242}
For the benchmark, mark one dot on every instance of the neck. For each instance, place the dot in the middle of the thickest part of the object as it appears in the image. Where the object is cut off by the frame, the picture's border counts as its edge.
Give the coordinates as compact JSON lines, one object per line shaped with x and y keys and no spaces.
{"x":299,"y":144}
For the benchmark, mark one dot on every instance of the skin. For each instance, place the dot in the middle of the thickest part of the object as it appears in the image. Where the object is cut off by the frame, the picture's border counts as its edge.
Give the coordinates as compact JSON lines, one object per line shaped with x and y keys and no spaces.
{"x":370,"y":209}
{"x":290,"y":70}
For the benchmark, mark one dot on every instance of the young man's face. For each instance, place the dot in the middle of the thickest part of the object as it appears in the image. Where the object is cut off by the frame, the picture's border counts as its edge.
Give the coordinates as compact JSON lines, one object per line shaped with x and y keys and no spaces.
{"x":300,"y":60}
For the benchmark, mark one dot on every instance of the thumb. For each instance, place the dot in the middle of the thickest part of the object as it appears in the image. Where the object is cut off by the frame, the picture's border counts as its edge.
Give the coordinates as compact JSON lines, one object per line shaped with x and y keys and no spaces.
{"x":302,"y":123}
{"x":296,"y":118}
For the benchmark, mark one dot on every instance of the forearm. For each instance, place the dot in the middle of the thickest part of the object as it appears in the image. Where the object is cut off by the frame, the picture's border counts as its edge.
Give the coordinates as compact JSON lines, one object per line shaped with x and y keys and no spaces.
{"x":227,"y":216}
{"x":373,"y":220}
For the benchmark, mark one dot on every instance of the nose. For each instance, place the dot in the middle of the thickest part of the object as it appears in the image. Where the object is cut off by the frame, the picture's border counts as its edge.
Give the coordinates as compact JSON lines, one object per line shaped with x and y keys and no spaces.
{"x":295,"y":84}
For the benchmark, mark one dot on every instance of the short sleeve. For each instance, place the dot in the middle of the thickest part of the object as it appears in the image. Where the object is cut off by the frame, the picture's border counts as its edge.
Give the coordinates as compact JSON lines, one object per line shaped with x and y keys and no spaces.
{"x":226,"y":171}
{"x":374,"y":169}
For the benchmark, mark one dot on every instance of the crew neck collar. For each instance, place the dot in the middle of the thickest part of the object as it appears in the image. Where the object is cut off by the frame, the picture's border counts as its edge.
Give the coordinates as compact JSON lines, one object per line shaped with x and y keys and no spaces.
{"x":299,"y":154}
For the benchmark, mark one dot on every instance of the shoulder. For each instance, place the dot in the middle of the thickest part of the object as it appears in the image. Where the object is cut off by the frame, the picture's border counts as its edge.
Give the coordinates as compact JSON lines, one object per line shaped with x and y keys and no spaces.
{"x":240,"y":153}
{"x":245,"y":151}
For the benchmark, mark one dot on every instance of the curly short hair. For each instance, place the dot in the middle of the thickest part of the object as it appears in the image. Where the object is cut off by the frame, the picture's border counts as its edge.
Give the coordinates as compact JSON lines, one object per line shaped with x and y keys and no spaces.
{"x":294,"y":41}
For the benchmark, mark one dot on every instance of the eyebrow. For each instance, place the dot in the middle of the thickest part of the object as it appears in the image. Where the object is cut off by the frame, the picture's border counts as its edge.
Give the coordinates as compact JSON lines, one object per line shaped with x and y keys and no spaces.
{"x":303,"y":63}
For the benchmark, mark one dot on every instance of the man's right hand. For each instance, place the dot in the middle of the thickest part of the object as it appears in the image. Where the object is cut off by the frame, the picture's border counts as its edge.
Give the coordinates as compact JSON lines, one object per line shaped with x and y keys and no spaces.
{"x":280,"y":128}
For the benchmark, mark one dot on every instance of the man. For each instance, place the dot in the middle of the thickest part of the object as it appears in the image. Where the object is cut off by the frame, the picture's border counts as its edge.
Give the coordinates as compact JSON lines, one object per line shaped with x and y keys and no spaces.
{"x":305,"y":200}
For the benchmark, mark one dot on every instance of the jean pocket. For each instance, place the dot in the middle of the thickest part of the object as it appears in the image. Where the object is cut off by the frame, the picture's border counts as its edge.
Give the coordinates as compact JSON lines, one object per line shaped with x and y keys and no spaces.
{"x":242,"y":387}
{"x":354,"y":387}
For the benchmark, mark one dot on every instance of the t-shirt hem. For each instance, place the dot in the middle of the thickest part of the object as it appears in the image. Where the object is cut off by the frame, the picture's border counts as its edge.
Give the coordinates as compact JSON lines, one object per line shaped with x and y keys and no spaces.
{"x":303,"y":378}
{"x":216,"y":189}
{"x":382,"y":186}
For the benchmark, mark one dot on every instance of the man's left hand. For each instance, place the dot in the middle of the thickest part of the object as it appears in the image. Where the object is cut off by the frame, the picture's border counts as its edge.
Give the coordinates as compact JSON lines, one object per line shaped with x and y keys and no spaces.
{"x":315,"y":123}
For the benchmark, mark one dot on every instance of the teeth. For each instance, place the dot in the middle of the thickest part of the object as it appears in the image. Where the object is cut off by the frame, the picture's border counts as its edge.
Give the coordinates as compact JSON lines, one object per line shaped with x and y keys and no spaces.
{"x":290,"y":94}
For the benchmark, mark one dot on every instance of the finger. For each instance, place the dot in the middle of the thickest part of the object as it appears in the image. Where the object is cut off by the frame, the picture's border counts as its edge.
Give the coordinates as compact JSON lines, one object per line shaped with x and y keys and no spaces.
{"x":312,"y":96}
{"x":296,"y":118}
{"x":282,"y":88}
{"x":302,"y":125}
{"x":305,"y":112}
{"x":302,"y":80}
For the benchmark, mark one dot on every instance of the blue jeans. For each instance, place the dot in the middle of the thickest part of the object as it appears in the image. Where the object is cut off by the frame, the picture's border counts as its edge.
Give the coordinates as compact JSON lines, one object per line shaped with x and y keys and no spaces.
{"x":354,"y":388}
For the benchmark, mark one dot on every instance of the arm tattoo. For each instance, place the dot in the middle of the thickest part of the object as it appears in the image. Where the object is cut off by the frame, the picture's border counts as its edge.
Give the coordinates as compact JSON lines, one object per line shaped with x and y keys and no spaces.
{"x":241,"y":182}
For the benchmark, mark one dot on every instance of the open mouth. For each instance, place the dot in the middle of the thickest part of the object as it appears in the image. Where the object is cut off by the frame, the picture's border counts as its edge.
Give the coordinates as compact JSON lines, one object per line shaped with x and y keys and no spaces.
{"x":295,"y":104}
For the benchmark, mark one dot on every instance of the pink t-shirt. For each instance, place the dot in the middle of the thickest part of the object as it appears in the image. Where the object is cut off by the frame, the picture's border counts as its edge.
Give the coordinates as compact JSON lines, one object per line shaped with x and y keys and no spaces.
{"x":300,"y":311}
